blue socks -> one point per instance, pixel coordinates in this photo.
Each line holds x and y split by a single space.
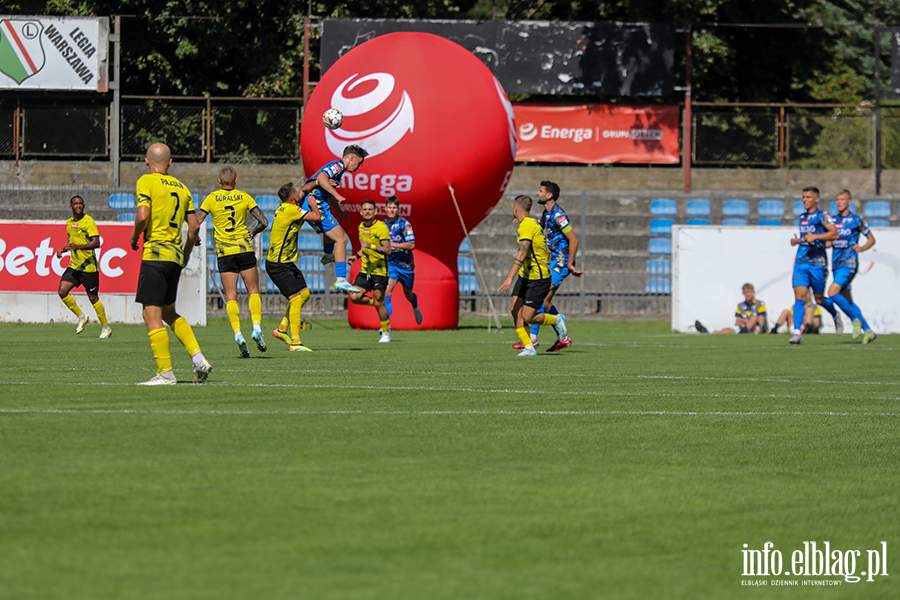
388 307
799 312
828 305
851 310
340 269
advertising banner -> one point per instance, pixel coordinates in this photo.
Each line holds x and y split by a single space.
709 266
597 134
28 261
54 53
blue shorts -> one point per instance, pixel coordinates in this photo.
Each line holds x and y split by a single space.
406 277
328 221
811 276
557 275
843 276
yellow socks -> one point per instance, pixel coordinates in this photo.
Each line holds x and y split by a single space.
69 301
255 310
549 320
185 335
522 332
296 303
101 313
159 343
234 315
386 326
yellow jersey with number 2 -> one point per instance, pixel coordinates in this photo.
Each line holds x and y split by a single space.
169 201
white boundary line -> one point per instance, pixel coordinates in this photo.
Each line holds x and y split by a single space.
610 413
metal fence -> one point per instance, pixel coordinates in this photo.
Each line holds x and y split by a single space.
263 130
828 136
235 130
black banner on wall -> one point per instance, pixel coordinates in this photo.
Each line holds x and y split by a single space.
539 57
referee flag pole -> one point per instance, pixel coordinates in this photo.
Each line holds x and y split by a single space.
475 260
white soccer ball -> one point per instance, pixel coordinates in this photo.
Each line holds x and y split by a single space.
333 118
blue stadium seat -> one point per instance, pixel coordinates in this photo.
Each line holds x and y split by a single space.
833 209
658 287
660 246
663 206
798 208
659 266
464 246
315 282
125 217
197 201
736 208
661 226
468 284
311 264
465 265
771 208
121 200
769 222
698 208
268 202
879 223
309 242
877 209
734 222
265 239
697 222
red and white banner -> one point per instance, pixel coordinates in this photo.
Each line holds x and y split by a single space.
597 133
28 260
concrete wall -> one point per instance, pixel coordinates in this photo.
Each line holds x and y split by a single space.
599 179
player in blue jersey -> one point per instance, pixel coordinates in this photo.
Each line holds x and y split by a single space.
333 237
845 263
811 264
562 245
400 261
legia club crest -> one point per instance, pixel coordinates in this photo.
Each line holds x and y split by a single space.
21 53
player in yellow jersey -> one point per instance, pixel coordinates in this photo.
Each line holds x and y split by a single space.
163 205
281 261
234 251
83 270
533 267
375 239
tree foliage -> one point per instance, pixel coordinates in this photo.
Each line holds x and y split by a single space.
255 48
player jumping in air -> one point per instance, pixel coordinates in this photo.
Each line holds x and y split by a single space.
333 236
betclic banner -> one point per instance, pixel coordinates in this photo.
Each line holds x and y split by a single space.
28 261
54 53
597 134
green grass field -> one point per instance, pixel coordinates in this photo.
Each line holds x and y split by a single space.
635 464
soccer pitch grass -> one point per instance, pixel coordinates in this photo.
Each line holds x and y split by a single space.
635 464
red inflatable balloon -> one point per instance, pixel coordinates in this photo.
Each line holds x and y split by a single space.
431 116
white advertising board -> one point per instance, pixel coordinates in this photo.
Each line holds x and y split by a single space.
710 265
54 53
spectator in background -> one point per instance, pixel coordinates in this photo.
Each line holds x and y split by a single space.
749 317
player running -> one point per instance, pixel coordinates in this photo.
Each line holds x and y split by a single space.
333 237
234 252
811 264
401 265
83 269
375 242
845 263
563 247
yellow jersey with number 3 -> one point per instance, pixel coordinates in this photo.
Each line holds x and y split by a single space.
228 210
169 201
537 262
